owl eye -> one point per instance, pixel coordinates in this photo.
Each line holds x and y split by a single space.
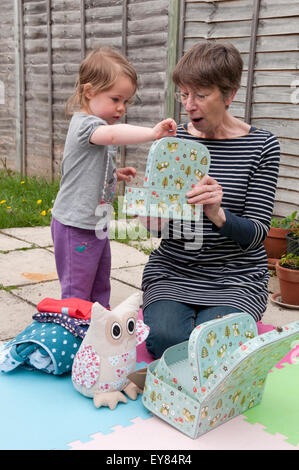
116 330
131 326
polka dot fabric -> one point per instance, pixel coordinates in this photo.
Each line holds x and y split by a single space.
77 326
53 340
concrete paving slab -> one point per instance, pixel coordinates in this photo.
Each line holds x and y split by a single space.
273 285
149 244
24 267
127 255
120 292
34 271
132 229
15 315
132 276
10 243
40 236
123 256
37 292
278 316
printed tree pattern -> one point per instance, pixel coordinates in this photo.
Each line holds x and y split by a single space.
228 364
173 167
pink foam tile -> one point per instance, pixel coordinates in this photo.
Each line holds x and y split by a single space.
154 433
261 328
291 358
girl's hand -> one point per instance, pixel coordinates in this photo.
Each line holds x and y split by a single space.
125 174
166 128
209 193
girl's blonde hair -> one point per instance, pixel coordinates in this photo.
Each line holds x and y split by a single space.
100 68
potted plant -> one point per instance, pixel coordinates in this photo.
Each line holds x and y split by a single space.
276 243
292 238
287 270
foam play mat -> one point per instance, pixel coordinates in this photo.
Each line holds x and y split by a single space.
43 411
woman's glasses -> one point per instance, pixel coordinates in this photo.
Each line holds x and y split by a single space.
183 97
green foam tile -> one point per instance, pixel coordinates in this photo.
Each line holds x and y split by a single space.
279 409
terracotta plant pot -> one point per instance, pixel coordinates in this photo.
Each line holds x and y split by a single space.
272 263
289 284
276 243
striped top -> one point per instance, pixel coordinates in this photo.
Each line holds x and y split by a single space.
200 264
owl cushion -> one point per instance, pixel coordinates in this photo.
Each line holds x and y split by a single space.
107 354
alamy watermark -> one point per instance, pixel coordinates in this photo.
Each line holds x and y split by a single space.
139 228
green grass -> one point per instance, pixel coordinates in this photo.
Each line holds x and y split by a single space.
25 201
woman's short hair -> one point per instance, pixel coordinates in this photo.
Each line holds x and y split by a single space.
210 63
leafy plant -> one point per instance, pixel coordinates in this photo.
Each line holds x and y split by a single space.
25 201
290 261
286 222
294 230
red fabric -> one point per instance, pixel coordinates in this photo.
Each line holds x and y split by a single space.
76 308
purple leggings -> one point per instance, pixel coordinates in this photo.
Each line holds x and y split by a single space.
83 263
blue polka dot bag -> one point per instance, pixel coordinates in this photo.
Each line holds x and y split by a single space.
48 347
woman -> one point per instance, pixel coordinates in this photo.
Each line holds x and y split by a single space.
226 272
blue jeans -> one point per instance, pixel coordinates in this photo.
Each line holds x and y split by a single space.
172 322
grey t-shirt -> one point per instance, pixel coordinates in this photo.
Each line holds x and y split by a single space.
88 175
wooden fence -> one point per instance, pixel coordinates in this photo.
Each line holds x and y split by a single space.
266 33
43 42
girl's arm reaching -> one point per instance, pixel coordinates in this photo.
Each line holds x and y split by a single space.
126 134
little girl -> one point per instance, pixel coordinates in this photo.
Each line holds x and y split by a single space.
106 85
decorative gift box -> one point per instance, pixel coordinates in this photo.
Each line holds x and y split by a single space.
173 167
217 374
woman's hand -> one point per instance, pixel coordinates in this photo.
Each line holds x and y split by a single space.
209 193
166 128
125 174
